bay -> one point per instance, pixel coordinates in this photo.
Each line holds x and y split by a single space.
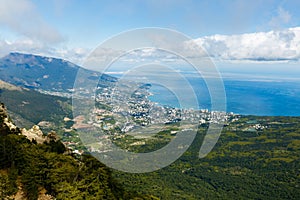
247 97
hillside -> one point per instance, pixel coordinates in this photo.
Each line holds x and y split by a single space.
33 170
255 158
28 107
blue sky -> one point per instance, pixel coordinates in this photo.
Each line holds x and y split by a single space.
71 28
87 22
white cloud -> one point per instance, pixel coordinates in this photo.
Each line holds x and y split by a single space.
272 45
275 46
22 17
282 17
75 55
25 45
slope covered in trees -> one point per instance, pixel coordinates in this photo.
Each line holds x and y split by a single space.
36 168
255 158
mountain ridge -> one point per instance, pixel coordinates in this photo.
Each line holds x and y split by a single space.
43 73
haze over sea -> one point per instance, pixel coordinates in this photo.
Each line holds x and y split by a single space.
258 97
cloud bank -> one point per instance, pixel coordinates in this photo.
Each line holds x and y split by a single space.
276 45
273 46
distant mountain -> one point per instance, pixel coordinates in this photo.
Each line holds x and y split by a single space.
45 73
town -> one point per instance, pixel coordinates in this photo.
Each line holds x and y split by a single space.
123 109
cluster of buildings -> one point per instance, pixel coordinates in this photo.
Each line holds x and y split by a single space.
127 106
124 108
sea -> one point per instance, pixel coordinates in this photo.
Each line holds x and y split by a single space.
245 97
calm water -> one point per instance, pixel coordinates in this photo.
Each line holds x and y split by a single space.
244 97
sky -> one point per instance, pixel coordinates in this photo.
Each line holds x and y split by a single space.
229 30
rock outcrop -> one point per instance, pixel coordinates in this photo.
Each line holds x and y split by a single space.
34 133
6 125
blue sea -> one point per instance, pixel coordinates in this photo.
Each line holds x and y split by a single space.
247 97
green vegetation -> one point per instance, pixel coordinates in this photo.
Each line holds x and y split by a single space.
259 164
28 107
145 143
255 158
34 107
47 167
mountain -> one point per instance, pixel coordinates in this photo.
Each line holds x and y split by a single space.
24 76
44 73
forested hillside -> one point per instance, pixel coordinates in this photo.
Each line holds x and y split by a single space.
255 158
32 170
